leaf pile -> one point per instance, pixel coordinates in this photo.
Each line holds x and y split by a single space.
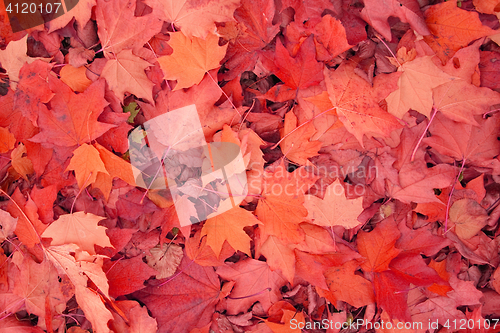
370 134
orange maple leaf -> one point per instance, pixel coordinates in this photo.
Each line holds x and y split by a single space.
281 207
87 164
415 84
279 255
452 28
191 59
115 167
228 226
346 286
296 144
79 273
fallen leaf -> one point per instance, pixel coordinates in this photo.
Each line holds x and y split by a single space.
191 59
317 240
75 78
346 286
334 209
127 275
461 101
8 225
463 141
332 34
29 227
355 104
120 29
281 207
376 14
254 281
165 261
390 294
452 28
297 73
13 59
139 320
468 217
21 163
378 247
279 256
32 90
78 228
296 144
7 140
87 164
68 123
228 226
90 301
192 297
195 18
82 11
38 286
415 84
125 73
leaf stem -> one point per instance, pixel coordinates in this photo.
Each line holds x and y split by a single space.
434 112
484 115
210 75
451 194
392 53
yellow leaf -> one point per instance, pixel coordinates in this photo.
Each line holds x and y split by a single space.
229 226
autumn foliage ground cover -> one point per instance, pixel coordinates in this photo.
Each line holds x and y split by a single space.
370 134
